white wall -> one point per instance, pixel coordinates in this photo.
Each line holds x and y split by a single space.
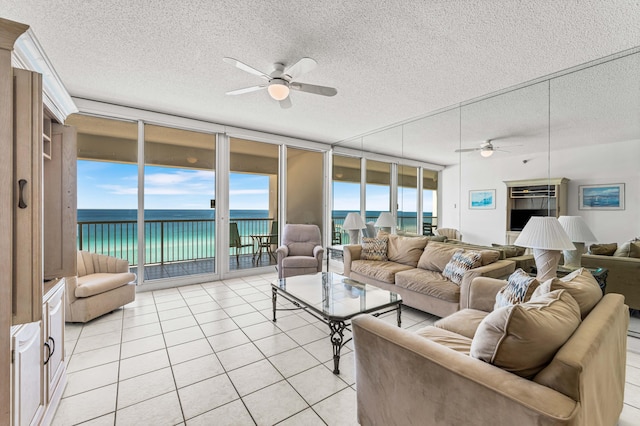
610 163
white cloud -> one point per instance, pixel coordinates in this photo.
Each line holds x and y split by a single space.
248 191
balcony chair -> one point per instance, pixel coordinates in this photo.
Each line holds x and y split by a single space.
450 233
301 251
235 241
103 284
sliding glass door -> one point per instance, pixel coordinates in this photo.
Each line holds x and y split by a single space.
179 209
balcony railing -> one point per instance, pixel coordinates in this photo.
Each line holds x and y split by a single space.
407 223
165 240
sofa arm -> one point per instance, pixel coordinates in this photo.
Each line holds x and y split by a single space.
482 293
349 254
404 378
318 253
497 269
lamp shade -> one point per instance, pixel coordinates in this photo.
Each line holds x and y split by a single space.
577 229
353 221
385 220
544 233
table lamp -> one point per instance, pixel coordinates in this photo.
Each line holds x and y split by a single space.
353 223
385 222
547 238
579 233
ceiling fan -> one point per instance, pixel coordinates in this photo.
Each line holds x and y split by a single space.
486 148
281 80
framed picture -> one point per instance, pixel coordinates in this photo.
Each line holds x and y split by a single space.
602 197
482 199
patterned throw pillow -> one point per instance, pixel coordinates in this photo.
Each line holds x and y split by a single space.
519 289
374 249
461 262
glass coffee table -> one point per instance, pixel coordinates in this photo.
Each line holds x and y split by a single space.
334 300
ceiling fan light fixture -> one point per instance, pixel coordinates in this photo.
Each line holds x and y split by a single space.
486 152
278 89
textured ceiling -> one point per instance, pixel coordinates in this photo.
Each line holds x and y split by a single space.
390 61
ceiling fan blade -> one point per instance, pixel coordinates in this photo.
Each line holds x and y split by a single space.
467 150
247 90
303 66
244 67
312 88
286 103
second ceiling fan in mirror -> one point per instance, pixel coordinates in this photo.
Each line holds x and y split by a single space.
486 148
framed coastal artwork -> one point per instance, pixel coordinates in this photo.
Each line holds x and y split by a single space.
482 199
601 197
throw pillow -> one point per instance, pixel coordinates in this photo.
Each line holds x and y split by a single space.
623 250
374 249
634 250
489 256
438 238
460 263
581 286
603 249
519 288
524 338
436 256
510 250
406 250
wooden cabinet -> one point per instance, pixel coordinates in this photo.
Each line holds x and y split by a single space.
533 197
27 377
39 366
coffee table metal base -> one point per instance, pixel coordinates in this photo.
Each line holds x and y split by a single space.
336 326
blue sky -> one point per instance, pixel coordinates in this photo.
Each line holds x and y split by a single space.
104 185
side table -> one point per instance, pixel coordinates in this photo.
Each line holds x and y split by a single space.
600 274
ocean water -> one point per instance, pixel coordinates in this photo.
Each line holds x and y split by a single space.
176 235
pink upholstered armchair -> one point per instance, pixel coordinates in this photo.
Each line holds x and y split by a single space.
301 251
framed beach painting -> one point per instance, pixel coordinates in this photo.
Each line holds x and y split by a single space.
602 197
482 199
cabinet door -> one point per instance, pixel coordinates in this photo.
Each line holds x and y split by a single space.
27 199
54 317
27 372
60 218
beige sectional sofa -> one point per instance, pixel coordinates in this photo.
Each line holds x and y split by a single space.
414 271
623 276
425 377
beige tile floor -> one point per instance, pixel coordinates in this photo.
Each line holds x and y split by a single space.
209 354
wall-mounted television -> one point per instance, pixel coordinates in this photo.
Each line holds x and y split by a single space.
519 218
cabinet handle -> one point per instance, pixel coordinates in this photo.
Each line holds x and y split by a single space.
53 346
21 185
48 353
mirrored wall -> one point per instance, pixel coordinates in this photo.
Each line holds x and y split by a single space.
581 124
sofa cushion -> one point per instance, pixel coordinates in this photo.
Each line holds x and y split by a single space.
436 255
299 262
634 250
487 257
381 271
374 249
406 250
464 322
524 338
510 250
623 250
431 283
580 284
603 249
520 286
460 263
92 284
451 340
